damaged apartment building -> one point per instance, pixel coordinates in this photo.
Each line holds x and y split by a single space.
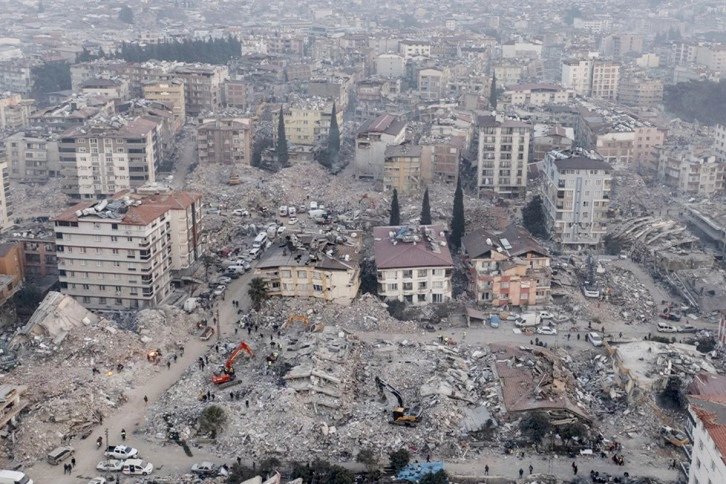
508 268
322 266
123 253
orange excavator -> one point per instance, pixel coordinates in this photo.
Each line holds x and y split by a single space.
227 372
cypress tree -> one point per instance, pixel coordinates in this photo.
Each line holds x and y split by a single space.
426 209
333 140
457 220
493 95
395 218
283 157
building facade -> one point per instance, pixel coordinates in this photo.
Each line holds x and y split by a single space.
32 158
414 264
502 156
307 123
402 168
576 198
14 111
371 142
507 268
169 92
536 95
120 253
225 140
692 173
98 161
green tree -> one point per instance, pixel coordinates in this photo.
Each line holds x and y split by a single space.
321 471
333 151
458 224
212 420
612 245
440 477
126 15
395 218
257 292
283 157
534 219
493 94
535 426
50 77
367 457
426 209
399 459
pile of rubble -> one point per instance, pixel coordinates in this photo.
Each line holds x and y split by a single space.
34 200
79 379
320 397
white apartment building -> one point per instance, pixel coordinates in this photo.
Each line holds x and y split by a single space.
101 160
690 172
536 95
6 208
414 264
706 428
390 66
14 111
413 48
503 153
719 144
122 253
576 198
592 77
32 158
577 75
432 83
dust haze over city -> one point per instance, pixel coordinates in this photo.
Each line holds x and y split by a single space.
373 242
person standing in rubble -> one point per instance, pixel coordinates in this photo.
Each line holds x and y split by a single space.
123 434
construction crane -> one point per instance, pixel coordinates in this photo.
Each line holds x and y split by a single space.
227 372
402 415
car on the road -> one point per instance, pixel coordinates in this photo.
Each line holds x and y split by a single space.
670 315
231 274
546 315
224 280
97 480
687 328
547 331
136 467
255 252
240 213
525 323
594 338
219 290
205 469
513 316
280 229
110 465
666 328
292 221
214 211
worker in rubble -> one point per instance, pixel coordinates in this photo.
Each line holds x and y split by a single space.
123 434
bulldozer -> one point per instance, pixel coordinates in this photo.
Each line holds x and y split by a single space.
402 415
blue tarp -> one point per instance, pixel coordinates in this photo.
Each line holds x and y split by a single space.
414 472
494 321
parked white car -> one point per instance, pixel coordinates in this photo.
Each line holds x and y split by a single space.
546 315
219 290
594 338
111 465
136 467
97 480
666 328
547 331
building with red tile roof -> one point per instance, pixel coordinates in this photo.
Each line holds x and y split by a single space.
707 429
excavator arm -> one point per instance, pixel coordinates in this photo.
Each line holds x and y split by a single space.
227 373
383 385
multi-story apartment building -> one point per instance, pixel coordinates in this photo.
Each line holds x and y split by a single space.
502 155
536 95
14 111
106 88
577 75
402 168
411 49
16 76
334 88
203 87
120 253
328 270
706 427
371 142
39 254
432 83
307 122
592 77
507 268
32 157
719 142
225 140
605 79
390 66
414 264
238 94
440 158
169 92
98 161
618 45
576 198
640 92
692 172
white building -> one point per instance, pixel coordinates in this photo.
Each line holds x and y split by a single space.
414 264
592 77
390 66
414 48
576 197
706 428
503 154
6 208
32 158
539 94
122 253
577 75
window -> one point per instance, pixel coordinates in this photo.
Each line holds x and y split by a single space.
317 288
421 285
86 287
302 274
422 298
437 298
286 274
393 287
407 274
408 286
422 273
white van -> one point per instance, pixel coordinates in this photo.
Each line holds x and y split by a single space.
256 252
291 211
283 211
14 477
237 269
260 240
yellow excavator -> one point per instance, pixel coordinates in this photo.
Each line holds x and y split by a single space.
402 415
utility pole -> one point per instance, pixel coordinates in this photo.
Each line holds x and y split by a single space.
216 312
107 444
